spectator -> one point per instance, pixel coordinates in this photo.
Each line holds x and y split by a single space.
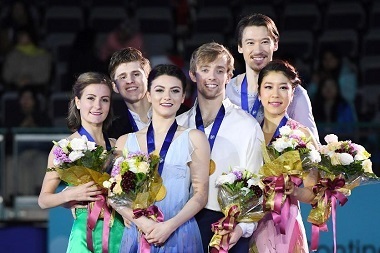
332 64
27 64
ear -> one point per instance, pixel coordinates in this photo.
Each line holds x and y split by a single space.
77 103
240 50
192 76
148 97
114 87
275 45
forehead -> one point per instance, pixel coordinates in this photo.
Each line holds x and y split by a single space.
276 77
256 32
166 81
220 62
97 89
128 67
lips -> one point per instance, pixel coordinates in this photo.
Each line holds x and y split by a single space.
211 85
275 104
96 113
132 88
166 104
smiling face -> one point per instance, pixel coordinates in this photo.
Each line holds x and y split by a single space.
130 81
166 95
211 78
257 47
94 104
276 93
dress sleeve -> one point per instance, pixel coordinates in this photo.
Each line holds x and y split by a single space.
300 110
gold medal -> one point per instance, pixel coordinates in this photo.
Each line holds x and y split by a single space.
212 167
161 193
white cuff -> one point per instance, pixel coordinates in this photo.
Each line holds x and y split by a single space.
247 228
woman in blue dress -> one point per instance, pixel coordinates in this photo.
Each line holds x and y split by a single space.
185 169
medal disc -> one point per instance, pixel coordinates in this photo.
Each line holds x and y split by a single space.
212 167
161 193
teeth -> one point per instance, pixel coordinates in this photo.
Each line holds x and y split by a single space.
131 88
211 85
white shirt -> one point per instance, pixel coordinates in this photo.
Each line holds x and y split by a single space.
238 143
140 124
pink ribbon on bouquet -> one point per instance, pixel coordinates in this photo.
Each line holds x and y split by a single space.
93 216
276 185
152 211
331 194
221 243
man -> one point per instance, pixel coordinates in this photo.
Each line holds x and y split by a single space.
258 39
129 70
235 138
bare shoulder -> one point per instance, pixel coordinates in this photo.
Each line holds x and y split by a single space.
120 142
197 136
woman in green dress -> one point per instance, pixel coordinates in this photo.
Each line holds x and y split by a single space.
89 114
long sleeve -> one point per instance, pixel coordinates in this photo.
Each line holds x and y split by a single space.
300 110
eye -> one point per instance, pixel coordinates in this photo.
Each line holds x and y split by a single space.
91 98
159 90
176 91
204 70
265 42
136 74
221 71
106 100
268 87
284 87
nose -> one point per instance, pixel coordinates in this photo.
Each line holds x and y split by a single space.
98 103
256 48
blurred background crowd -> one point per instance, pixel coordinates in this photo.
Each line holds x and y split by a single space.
45 44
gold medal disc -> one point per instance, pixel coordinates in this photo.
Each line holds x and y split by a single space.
212 167
161 193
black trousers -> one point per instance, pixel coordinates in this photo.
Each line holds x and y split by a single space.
204 219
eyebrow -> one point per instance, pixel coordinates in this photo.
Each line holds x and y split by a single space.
161 86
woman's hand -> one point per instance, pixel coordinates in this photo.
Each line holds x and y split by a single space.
84 192
160 233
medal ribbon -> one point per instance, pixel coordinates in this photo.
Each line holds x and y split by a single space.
165 146
283 122
215 128
132 121
83 131
244 99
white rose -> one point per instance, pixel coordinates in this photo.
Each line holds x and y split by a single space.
143 167
367 166
285 130
132 165
75 155
91 145
331 138
63 143
226 179
251 182
79 144
281 144
107 184
345 158
358 147
360 156
314 156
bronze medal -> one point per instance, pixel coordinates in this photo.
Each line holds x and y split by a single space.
161 193
212 167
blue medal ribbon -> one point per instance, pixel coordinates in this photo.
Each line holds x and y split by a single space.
132 121
83 131
244 99
165 146
283 122
215 128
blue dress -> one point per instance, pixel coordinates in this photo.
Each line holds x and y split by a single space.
177 180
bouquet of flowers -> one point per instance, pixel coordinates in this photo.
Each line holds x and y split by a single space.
134 181
240 198
288 158
79 161
344 166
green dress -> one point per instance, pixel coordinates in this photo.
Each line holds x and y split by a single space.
78 242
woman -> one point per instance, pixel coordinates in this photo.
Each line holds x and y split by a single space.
277 82
89 114
185 169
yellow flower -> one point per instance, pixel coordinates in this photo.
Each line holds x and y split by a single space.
367 166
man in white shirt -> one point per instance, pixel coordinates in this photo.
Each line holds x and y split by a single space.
258 39
235 138
129 71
